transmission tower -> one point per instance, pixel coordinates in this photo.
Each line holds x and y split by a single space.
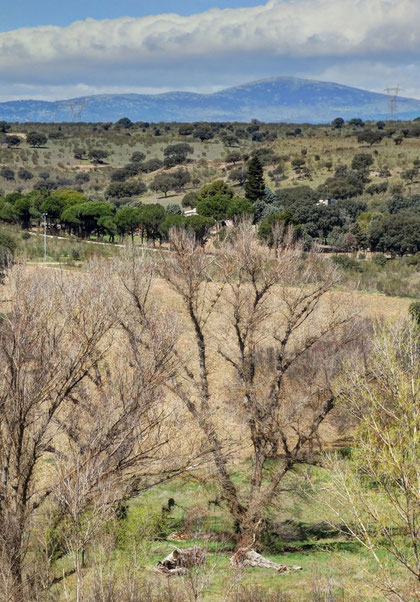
56 111
393 94
76 108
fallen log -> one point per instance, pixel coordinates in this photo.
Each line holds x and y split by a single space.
245 557
179 561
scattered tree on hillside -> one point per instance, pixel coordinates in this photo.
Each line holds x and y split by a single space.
25 174
151 165
79 153
362 161
13 141
238 175
181 177
371 137
203 132
410 174
97 155
234 157
126 189
177 154
7 173
254 185
163 182
36 139
137 157
124 122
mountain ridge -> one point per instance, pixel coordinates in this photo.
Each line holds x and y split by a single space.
275 99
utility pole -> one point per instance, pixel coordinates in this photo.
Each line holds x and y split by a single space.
44 218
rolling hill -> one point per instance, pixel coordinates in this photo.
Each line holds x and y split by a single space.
280 99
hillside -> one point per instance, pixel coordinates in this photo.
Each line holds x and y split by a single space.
281 99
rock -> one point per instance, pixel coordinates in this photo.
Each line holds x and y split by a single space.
245 557
179 561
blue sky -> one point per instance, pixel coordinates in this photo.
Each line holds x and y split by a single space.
54 49
29 13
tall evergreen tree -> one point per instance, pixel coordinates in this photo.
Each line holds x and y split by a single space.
254 185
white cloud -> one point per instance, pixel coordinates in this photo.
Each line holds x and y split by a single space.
219 47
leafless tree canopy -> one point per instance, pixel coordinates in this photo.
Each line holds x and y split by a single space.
82 386
141 368
279 332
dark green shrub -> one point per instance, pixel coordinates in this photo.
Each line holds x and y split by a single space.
380 260
347 263
414 311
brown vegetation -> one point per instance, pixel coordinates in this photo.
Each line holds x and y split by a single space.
149 366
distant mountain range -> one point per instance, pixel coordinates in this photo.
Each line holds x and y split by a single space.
280 99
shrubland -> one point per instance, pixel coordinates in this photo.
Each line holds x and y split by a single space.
373 183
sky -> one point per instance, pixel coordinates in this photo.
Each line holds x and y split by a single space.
30 13
52 50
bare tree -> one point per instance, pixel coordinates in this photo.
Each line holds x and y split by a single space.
121 429
82 384
51 334
280 332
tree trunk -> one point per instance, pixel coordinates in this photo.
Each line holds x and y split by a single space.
14 553
78 571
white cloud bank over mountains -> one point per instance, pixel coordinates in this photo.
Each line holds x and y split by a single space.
370 43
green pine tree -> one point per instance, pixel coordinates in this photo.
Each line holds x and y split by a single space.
254 185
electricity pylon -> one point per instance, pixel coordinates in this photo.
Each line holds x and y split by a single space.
393 94
76 108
